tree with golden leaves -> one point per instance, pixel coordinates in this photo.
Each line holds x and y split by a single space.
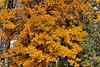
46 28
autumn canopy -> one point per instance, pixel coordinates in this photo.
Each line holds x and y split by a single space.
45 29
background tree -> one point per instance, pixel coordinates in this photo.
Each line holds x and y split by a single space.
91 56
91 47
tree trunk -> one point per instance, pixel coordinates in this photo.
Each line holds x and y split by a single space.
6 58
6 62
58 63
1 44
0 50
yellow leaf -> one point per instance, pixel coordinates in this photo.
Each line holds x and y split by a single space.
2 33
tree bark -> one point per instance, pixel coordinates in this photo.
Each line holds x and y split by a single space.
58 63
0 51
6 58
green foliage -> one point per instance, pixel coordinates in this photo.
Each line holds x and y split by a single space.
1 3
91 46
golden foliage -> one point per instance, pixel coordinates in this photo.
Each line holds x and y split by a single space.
2 33
40 39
